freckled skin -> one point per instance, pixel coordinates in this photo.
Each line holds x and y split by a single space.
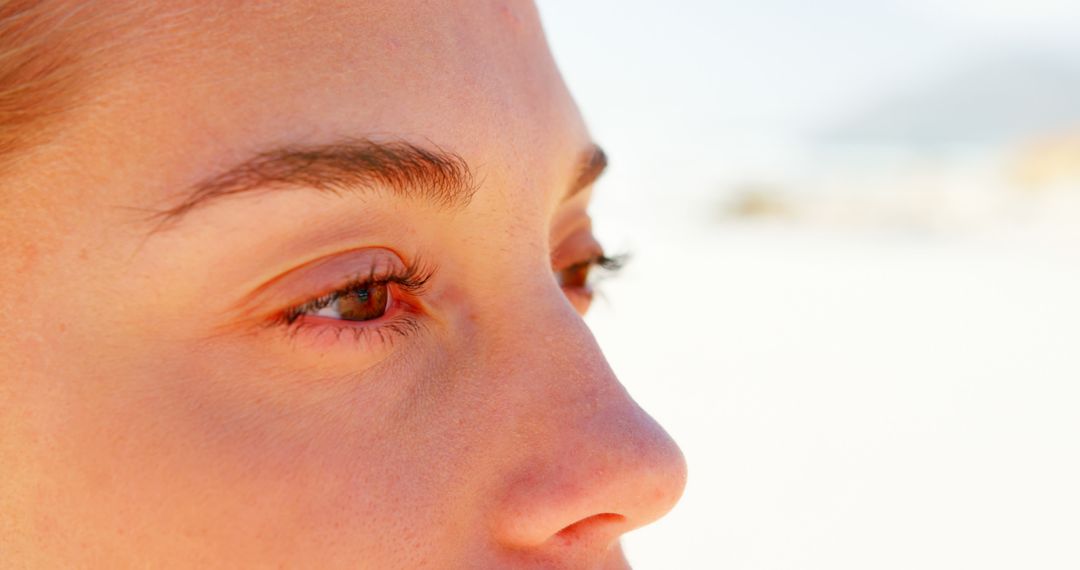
144 423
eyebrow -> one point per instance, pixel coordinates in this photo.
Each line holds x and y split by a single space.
358 165
592 164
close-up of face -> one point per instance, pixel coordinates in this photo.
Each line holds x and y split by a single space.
301 285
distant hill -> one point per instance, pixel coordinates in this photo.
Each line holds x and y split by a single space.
992 101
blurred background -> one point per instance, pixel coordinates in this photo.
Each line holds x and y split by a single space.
855 293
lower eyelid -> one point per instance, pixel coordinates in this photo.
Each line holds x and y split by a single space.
585 290
322 333
580 297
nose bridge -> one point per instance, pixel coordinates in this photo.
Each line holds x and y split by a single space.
590 461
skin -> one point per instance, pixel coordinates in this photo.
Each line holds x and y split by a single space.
149 417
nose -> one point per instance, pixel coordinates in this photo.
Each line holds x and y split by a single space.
592 464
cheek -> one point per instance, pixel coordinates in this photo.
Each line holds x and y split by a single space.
252 461
317 457
265 421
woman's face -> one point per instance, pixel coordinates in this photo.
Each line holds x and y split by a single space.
302 286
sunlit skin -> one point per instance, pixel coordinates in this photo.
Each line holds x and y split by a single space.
174 393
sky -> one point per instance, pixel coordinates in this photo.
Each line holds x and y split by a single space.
700 66
690 97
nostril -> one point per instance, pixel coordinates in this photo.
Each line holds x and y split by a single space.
588 528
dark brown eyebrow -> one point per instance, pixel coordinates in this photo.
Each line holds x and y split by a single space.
403 168
592 164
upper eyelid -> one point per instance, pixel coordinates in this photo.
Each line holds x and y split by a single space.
317 278
576 250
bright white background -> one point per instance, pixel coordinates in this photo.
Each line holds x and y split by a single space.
892 383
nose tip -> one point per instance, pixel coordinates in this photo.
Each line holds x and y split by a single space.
614 471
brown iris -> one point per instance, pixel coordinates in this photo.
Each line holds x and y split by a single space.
364 303
575 276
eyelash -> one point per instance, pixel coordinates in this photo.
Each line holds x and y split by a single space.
611 264
413 282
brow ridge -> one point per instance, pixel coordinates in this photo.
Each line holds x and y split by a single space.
403 168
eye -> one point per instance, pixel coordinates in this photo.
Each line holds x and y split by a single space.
576 279
363 300
575 276
385 296
361 303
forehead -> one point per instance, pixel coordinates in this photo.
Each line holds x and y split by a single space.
205 84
